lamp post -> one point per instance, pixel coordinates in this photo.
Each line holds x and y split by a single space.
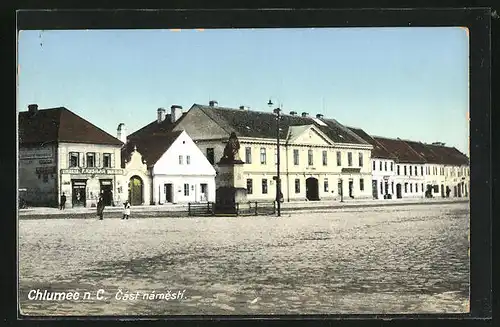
277 112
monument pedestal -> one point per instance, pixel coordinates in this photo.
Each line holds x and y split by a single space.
231 186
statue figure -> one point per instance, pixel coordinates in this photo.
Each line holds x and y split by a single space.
232 148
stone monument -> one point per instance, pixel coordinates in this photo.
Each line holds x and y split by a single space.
231 186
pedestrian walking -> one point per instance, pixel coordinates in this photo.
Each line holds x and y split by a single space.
100 208
126 210
62 204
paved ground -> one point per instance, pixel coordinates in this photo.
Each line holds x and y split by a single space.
405 259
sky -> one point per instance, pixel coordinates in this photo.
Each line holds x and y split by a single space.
406 82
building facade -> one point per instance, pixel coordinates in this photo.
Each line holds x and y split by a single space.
62 153
319 158
166 166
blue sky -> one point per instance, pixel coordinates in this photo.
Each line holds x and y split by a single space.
409 82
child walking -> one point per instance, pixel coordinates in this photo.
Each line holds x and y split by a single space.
126 210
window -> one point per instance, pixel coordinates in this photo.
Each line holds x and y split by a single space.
248 155
411 170
360 158
416 171
325 185
374 165
406 187
264 186
411 188
210 155
339 158
325 158
106 160
392 166
422 170
297 186
385 166
422 186
296 157
436 188
74 159
249 186
392 187
405 170
180 160
310 158
188 160
45 178
380 165
349 159
416 187
186 189
91 159
361 184
263 156
397 168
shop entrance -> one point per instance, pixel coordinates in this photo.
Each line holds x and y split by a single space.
135 191
78 187
107 191
374 189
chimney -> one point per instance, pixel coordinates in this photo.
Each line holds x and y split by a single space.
319 116
305 114
161 115
175 113
121 133
33 108
293 113
213 103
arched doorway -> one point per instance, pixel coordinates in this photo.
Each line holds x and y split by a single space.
312 189
398 191
135 189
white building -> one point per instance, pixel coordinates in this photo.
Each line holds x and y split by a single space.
60 152
320 159
163 166
383 167
409 177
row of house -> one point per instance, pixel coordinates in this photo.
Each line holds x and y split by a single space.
174 159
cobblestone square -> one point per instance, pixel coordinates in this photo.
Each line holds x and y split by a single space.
398 259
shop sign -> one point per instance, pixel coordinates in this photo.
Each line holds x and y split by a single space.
94 171
35 153
46 170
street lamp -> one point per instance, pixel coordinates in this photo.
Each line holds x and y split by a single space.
277 112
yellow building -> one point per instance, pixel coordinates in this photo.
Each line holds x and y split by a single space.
319 158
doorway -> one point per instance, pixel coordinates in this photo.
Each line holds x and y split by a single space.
135 190
168 193
106 191
351 189
459 187
78 198
399 194
312 189
442 190
374 189
204 192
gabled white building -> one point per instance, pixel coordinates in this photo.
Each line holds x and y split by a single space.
177 171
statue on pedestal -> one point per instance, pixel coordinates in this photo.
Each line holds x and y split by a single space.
231 151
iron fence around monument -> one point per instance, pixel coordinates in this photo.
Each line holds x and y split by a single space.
238 209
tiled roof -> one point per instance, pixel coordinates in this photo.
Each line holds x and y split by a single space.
250 123
60 125
400 149
426 152
379 151
449 155
151 147
154 128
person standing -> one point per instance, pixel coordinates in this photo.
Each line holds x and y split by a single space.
100 208
62 202
126 210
